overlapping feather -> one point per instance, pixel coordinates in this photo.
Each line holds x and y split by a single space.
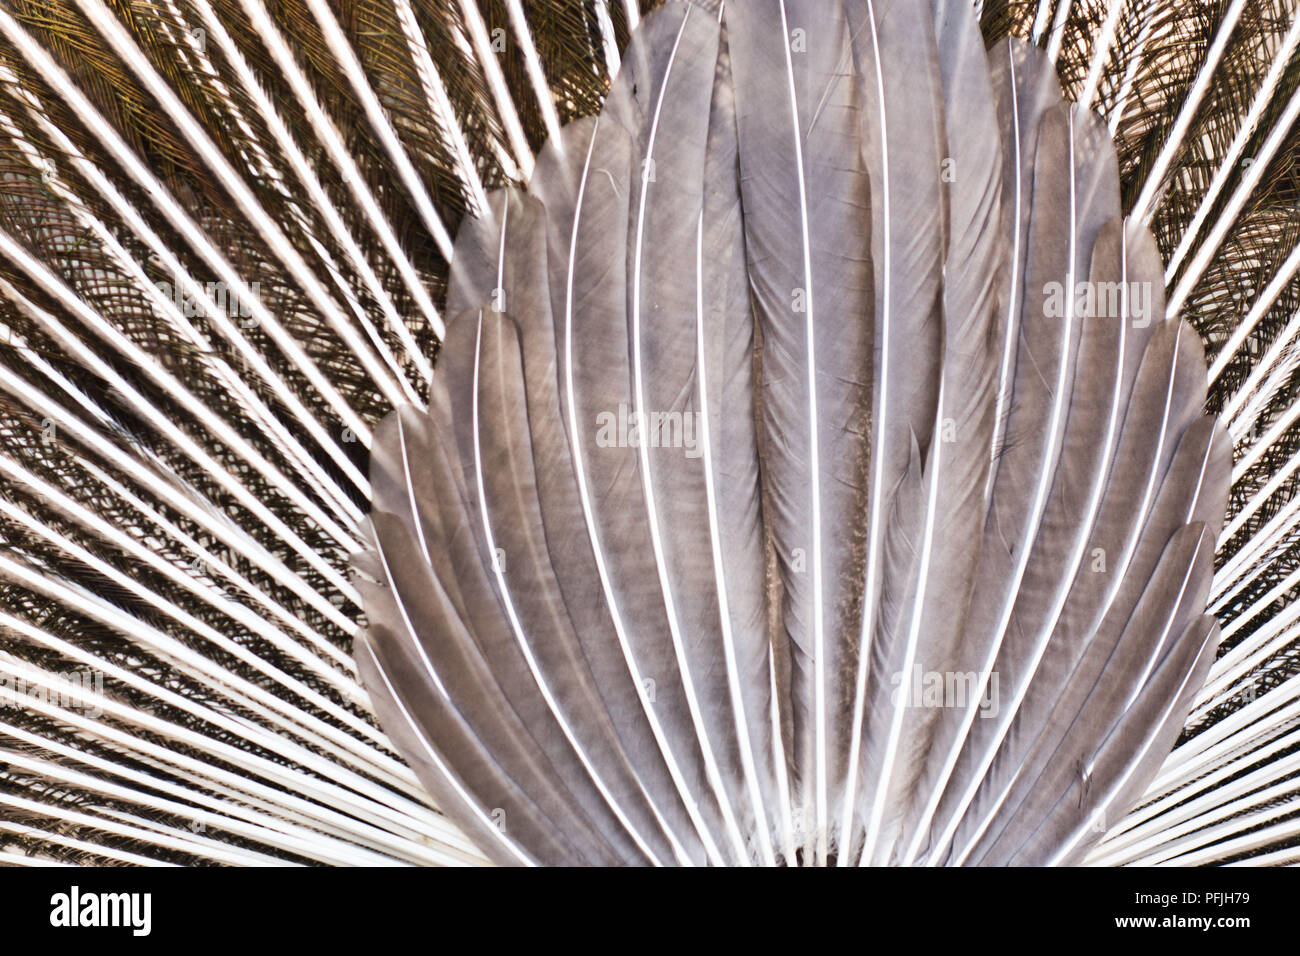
166 362
944 454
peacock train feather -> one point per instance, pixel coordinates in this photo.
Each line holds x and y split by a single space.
616 432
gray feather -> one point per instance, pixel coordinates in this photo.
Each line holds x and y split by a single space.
805 193
764 393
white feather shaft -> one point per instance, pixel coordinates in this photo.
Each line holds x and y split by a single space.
486 59
440 103
346 58
503 590
598 554
748 762
258 218
1144 207
1100 56
712 773
270 115
138 171
533 66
